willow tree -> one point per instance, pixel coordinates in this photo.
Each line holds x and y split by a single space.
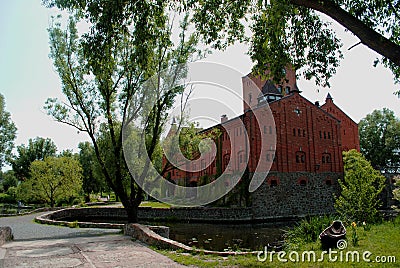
103 71
293 32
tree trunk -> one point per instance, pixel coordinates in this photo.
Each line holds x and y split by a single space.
132 213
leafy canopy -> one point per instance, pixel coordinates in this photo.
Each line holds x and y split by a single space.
380 138
52 179
292 32
103 71
37 149
7 133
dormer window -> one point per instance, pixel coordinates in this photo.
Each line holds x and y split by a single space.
287 90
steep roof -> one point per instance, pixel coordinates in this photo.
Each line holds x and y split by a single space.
269 89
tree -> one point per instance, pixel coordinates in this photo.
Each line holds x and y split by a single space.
8 180
360 188
7 133
37 149
291 32
93 179
102 73
380 138
52 179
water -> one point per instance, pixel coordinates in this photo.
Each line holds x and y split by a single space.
224 237
218 237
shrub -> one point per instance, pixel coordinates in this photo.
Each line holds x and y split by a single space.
360 189
6 198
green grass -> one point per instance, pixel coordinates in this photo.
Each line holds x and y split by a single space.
380 240
154 204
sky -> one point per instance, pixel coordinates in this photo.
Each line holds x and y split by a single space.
28 78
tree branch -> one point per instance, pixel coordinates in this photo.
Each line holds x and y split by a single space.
367 36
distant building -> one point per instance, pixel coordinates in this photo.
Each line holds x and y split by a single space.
306 162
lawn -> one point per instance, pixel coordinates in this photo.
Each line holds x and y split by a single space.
378 243
154 204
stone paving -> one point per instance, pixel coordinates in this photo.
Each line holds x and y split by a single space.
43 246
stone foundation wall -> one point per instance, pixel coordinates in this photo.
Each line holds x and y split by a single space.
196 214
295 195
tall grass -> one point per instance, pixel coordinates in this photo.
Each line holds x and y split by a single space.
306 231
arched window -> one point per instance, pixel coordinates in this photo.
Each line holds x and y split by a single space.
226 160
300 157
326 158
302 181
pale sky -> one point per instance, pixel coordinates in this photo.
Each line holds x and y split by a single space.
27 76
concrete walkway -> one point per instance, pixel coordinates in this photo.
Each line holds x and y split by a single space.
42 246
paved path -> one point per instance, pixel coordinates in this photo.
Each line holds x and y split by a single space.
37 245
24 228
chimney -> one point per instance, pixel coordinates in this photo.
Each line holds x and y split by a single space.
224 118
317 103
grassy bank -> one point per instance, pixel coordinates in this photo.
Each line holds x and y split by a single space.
382 241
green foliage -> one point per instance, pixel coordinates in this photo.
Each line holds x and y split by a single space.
7 133
292 32
6 198
360 188
52 179
103 71
354 236
306 231
93 179
380 138
8 180
396 190
37 149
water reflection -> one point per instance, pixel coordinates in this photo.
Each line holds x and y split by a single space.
222 237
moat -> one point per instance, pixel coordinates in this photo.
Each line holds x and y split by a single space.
215 236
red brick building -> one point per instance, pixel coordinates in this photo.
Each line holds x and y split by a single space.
298 153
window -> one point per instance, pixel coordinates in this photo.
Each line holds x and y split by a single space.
226 160
300 157
294 132
280 89
324 135
250 98
265 129
320 134
287 90
240 158
326 158
299 132
303 182
270 156
270 129
329 135
304 133
273 183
